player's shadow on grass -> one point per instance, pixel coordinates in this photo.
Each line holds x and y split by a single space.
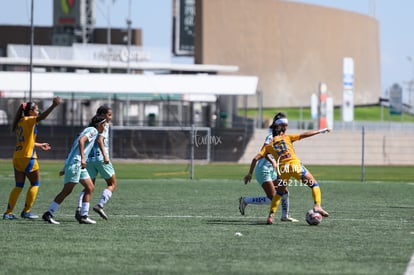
236 222
401 206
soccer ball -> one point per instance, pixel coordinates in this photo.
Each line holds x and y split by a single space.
313 218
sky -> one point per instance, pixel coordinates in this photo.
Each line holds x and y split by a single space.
154 17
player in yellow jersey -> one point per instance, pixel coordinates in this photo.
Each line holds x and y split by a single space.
25 157
267 177
287 164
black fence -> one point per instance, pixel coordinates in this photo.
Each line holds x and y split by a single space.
225 145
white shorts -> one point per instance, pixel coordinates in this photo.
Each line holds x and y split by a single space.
99 167
75 173
264 174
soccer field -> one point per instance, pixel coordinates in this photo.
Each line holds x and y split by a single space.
160 223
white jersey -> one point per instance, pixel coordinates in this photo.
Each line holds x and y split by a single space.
96 154
263 163
74 155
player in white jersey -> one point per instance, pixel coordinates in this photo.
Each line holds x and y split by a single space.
99 163
75 170
266 176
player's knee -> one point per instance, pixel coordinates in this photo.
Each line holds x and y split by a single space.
90 189
111 182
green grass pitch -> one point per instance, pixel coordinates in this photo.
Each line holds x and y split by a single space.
161 222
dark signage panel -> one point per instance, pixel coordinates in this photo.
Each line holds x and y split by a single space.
183 38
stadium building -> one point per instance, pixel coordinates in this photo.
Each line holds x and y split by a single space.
291 47
87 65
247 54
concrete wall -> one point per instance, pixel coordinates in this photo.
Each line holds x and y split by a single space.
291 47
345 148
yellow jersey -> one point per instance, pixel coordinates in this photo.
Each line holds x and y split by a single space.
289 165
281 148
26 133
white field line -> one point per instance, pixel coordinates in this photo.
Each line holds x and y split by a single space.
240 218
247 218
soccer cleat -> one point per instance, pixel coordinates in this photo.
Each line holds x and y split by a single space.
320 210
47 216
269 220
242 205
9 217
78 214
86 220
98 209
28 215
289 219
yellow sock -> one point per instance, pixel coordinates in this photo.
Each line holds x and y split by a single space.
30 197
275 204
316 194
14 195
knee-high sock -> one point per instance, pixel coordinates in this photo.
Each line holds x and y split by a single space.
85 209
31 197
285 205
257 200
80 200
105 197
275 203
316 194
14 195
54 206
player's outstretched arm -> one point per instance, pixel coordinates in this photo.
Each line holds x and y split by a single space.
314 132
56 101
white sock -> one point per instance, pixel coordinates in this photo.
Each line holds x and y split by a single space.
285 205
85 209
257 200
106 195
53 207
80 199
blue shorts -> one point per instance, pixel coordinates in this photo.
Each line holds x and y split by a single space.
264 174
99 167
75 173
